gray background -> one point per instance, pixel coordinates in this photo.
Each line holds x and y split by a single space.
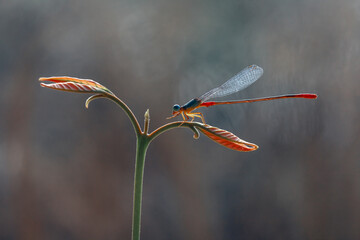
66 172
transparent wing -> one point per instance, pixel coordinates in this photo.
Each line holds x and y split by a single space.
238 82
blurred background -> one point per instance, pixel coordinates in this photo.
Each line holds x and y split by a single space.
66 172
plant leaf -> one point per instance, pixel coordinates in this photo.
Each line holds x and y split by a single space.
72 84
227 139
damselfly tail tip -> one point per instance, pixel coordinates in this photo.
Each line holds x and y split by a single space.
309 95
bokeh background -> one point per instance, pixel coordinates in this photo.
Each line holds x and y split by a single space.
66 172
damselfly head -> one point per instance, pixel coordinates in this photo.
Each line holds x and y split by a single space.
176 108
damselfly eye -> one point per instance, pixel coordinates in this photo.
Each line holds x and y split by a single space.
176 107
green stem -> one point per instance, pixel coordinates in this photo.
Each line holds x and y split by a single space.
178 124
143 141
141 147
121 104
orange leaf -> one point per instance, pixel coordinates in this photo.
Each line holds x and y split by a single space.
72 84
227 139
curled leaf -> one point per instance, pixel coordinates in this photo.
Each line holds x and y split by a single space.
196 132
93 97
72 84
227 139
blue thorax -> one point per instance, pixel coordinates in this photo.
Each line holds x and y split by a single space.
191 104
